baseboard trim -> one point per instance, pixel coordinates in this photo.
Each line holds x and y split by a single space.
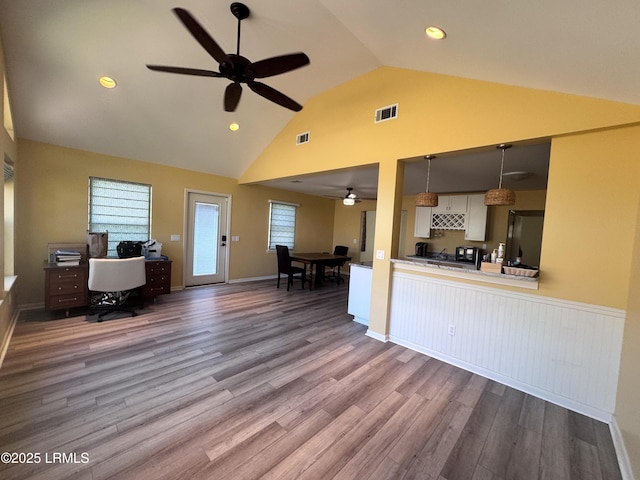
621 450
253 279
7 339
377 336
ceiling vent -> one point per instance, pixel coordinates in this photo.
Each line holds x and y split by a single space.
386 113
302 138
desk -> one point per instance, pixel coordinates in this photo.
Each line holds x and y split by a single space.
65 287
320 260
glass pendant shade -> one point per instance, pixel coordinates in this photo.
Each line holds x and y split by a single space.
500 196
427 199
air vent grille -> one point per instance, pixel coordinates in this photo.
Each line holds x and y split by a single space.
302 138
386 113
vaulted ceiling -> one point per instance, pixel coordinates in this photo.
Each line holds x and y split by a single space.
55 50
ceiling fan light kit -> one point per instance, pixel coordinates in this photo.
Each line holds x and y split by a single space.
500 196
426 198
235 67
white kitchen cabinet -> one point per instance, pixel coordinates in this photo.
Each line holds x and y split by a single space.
476 218
422 227
359 293
451 204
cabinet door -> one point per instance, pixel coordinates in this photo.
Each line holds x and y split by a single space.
476 218
451 204
422 227
457 204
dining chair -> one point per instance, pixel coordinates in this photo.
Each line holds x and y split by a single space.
112 281
335 266
285 267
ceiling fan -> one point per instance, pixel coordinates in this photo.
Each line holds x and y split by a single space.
237 68
350 198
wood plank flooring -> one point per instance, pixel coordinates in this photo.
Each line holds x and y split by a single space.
247 381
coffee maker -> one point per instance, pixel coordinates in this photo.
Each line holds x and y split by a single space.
421 249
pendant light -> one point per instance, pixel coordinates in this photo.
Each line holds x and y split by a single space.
500 196
426 198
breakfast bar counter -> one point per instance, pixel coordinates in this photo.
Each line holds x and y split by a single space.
450 270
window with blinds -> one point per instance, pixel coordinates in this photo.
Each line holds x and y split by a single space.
121 208
282 224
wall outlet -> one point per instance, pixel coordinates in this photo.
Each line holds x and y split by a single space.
355 241
380 254
235 238
175 238
451 330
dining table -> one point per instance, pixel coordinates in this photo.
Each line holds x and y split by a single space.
319 260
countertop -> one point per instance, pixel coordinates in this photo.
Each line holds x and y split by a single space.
468 273
361 264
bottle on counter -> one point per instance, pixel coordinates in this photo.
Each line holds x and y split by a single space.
501 250
494 256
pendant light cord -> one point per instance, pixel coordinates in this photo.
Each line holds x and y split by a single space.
501 169
428 173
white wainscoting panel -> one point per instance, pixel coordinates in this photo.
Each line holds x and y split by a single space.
561 351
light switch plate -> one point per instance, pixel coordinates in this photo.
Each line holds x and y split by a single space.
380 254
175 238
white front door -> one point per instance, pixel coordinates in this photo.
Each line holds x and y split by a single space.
206 256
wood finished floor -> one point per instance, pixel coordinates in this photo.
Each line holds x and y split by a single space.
248 381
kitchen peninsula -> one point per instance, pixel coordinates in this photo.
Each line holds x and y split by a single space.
488 323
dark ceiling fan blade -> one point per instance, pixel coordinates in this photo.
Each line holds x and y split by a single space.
277 65
232 96
185 71
201 35
275 96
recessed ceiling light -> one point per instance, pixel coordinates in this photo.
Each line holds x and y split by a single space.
234 127
435 32
107 82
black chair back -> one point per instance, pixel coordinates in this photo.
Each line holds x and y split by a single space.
340 250
284 260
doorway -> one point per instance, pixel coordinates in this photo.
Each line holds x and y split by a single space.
206 239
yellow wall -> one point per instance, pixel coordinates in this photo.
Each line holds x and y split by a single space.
628 399
436 114
52 208
8 150
590 220
442 114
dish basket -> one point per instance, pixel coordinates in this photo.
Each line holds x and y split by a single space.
522 272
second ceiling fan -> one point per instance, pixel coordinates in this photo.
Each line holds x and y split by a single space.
237 68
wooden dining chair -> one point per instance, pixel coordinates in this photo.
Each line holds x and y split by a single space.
285 267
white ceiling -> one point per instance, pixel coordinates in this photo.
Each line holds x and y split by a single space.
56 49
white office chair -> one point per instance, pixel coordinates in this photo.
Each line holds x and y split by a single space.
111 281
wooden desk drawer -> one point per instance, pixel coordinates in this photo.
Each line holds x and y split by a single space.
57 302
65 287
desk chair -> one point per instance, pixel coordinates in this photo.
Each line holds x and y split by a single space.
285 267
335 267
111 281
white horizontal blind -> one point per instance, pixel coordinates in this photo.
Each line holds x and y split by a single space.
121 208
282 225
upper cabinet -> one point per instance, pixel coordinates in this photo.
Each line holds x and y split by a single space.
422 227
476 218
454 212
451 204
